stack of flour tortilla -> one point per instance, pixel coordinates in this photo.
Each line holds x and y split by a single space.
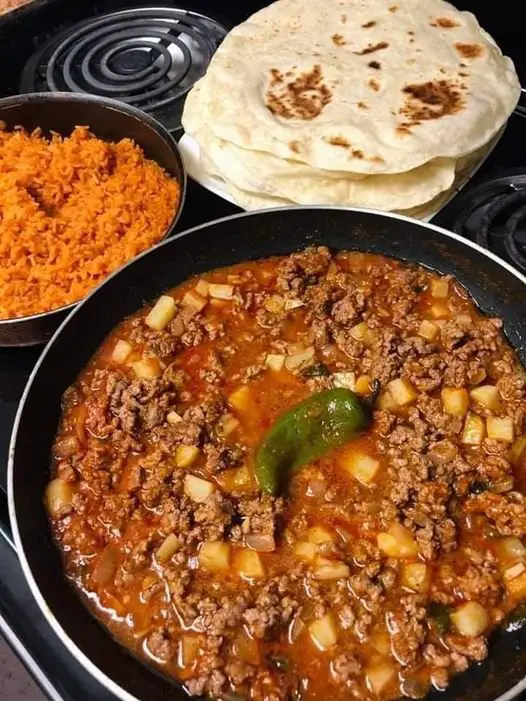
367 103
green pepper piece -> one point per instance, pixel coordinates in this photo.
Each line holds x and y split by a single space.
439 613
516 619
317 425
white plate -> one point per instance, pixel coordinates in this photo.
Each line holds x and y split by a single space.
191 155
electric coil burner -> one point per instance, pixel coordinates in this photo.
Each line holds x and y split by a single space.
494 215
147 57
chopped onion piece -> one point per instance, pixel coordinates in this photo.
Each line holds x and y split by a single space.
296 628
275 304
262 543
474 430
511 548
59 495
514 571
229 423
517 586
220 291
293 304
193 302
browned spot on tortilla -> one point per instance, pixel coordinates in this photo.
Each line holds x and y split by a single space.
444 23
377 159
375 65
338 40
361 105
368 25
276 76
372 48
442 70
302 98
411 61
403 129
411 41
343 19
393 8
431 100
469 50
464 75
295 146
358 154
339 141
374 85
411 33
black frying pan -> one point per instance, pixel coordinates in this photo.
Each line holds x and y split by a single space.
497 288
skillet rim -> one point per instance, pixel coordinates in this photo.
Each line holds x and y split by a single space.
112 686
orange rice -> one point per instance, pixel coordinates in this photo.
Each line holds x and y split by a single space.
72 210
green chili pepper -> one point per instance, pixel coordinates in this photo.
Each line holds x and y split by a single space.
312 428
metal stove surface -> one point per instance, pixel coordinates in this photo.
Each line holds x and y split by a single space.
53 40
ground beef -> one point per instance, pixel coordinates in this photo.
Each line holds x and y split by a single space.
260 514
506 511
344 668
407 626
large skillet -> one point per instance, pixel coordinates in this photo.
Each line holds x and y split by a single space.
495 285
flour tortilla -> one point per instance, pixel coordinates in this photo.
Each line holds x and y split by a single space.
268 175
364 86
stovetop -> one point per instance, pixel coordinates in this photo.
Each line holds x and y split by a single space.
161 51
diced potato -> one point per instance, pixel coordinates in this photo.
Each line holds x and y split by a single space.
478 376
173 418
516 587
193 301
299 360
439 310
275 304
190 646
360 332
363 384
121 351
305 550
517 450
361 466
240 398
510 549
162 313
347 380
214 556
474 430
147 369
293 304
455 401
470 619
198 489
229 424
415 576
324 632
487 395
402 391
428 330
59 495
319 534
397 542
331 570
275 361
247 649
386 402
440 289
202 288
514 571
186 455
500 429
379 676
220 291
248 563
168 548
237 478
